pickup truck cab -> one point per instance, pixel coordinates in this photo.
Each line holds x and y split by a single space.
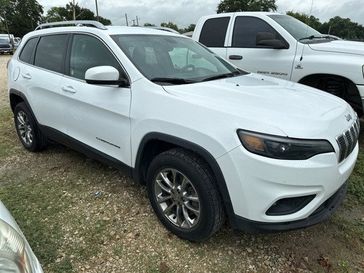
281 46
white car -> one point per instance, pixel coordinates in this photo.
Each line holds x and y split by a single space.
16 256
281 46
207 139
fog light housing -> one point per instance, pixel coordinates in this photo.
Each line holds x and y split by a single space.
288 206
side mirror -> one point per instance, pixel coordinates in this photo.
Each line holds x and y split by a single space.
105 75
269 40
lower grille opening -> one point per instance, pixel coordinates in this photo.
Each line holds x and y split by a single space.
288 206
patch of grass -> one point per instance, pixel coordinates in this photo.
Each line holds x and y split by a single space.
36 207
356 185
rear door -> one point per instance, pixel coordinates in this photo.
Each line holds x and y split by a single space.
40 76
244 52
96 115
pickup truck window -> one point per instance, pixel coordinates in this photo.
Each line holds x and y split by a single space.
298 29
246 29
173 59
213 32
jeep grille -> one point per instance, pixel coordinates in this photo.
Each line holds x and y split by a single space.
348 139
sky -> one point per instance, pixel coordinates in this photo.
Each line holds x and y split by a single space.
186 12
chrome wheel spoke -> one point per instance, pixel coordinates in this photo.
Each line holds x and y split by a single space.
184 183
191 198
166 180
20 119
162 199
186 217
163 187
177 198
168 209
195 211
178 216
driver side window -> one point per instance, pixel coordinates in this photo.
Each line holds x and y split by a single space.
246 29
88 52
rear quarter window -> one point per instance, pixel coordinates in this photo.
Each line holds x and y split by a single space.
26 54
51 52
213 32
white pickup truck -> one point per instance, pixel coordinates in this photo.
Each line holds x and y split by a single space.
281 46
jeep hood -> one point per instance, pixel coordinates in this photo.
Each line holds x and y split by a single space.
295 110
340 46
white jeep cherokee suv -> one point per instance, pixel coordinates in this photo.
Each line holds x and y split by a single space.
207 139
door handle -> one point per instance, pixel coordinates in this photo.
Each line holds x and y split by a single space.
235 57
26 76
69 89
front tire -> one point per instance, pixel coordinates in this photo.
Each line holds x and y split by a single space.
183 194
26 127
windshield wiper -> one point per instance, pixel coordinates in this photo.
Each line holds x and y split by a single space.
222 76
312 37
172 80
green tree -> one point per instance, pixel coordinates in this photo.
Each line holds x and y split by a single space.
191 27
149 25
343 28
312 21
170 25
56 14
246 5
20 16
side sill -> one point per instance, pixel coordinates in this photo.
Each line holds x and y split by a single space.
90 152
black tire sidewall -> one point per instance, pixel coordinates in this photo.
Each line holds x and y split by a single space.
198 178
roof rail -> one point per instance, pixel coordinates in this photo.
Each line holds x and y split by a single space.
85 23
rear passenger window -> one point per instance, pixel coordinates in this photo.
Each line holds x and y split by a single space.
214 31
88 52
246 30
27 52
51 52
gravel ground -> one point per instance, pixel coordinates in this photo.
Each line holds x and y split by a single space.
82 216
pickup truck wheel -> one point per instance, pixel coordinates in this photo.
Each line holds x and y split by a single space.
27 130
339 87
183 195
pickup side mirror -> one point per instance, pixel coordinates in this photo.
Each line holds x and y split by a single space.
268 39
105 75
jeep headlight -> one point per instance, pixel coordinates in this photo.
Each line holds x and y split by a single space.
283 147
13 251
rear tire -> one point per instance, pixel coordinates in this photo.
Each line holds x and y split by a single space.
183 194
26 127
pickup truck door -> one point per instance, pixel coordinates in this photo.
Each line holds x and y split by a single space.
244 52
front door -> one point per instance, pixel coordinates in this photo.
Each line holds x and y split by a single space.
96 115
246 54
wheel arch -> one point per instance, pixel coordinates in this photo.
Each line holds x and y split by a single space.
353 90
153 144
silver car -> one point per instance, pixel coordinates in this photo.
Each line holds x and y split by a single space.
16 256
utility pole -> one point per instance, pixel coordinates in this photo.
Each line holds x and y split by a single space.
97 11
126 19
74 9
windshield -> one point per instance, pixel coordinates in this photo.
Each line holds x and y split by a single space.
173 60
297 29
